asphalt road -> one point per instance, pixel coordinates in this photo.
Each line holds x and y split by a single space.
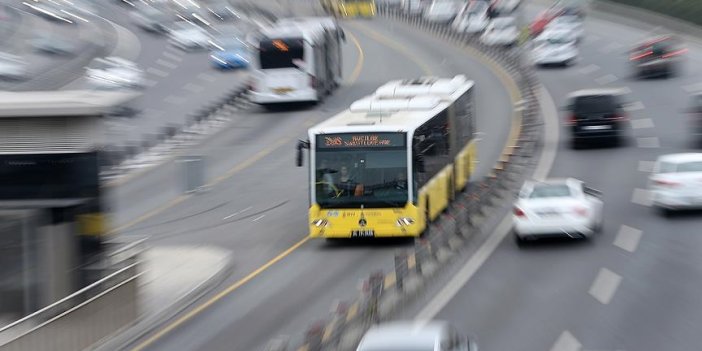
257 203
636 286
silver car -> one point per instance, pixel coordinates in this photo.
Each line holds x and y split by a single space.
415 336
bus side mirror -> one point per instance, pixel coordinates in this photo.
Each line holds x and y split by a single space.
301 144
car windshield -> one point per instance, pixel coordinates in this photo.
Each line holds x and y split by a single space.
550 190
693 166
369 176
595 104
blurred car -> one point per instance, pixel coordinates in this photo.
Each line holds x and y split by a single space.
597 115
188 36
150 18
557 208
676 182
222 11
659 56
114 73
48 43
473 18
13 67
573 24
555 47
230 53
543 19
405 336
506 6
442 11
501 31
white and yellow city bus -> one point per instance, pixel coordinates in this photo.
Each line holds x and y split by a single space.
393 161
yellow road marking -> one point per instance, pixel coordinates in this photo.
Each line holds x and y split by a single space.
197 310
359 62
393 45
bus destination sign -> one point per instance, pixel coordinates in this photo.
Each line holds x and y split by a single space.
353 140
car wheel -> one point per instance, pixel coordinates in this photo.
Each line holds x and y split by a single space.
666 212
575 144
519 240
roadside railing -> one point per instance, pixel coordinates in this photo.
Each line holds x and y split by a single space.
383 293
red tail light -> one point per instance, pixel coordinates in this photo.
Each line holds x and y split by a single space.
665 183
619 117
640 56
580 211
518 212
572 118
675 53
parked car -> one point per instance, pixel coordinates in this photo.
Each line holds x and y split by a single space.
442 11
557 208
230 52
572 24
473 18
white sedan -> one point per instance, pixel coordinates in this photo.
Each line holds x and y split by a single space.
188 36
501 31
573 24
676 182
557 208
555 46
114 73
472 19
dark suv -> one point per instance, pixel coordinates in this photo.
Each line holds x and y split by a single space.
597 115
658 56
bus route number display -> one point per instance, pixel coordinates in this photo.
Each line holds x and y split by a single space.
332 141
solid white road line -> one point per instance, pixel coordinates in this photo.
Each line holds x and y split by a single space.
548 154
589 69
193 88
646 166
641 123
628 238
566 342
641 197
606 79
167 64
634 106
157 72
258 218
648 142
236 213
605 285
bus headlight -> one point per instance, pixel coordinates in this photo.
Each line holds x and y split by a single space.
320 223
405 221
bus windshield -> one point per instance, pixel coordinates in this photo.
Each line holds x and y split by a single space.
370 176
280 53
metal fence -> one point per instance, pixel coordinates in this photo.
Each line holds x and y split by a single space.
383 292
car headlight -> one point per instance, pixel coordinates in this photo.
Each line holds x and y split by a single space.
404 221
320 223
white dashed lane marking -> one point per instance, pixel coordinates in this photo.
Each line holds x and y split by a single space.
167 64
646 166
634 106
175 100
566 342
589 69
173 57
207 77
628 238
193 88
605 285
157 72
641 123
606 79
648 142
258 218
641 197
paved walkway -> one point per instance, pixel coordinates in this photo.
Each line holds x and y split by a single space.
173 278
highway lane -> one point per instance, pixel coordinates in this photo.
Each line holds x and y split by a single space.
261 210
636 286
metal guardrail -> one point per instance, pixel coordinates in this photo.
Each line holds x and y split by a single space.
81 319
383 292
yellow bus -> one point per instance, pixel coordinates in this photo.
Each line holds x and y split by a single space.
393 161
349 8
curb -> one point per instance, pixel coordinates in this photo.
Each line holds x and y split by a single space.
470 214
145 325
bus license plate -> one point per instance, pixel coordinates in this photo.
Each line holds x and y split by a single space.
368 233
